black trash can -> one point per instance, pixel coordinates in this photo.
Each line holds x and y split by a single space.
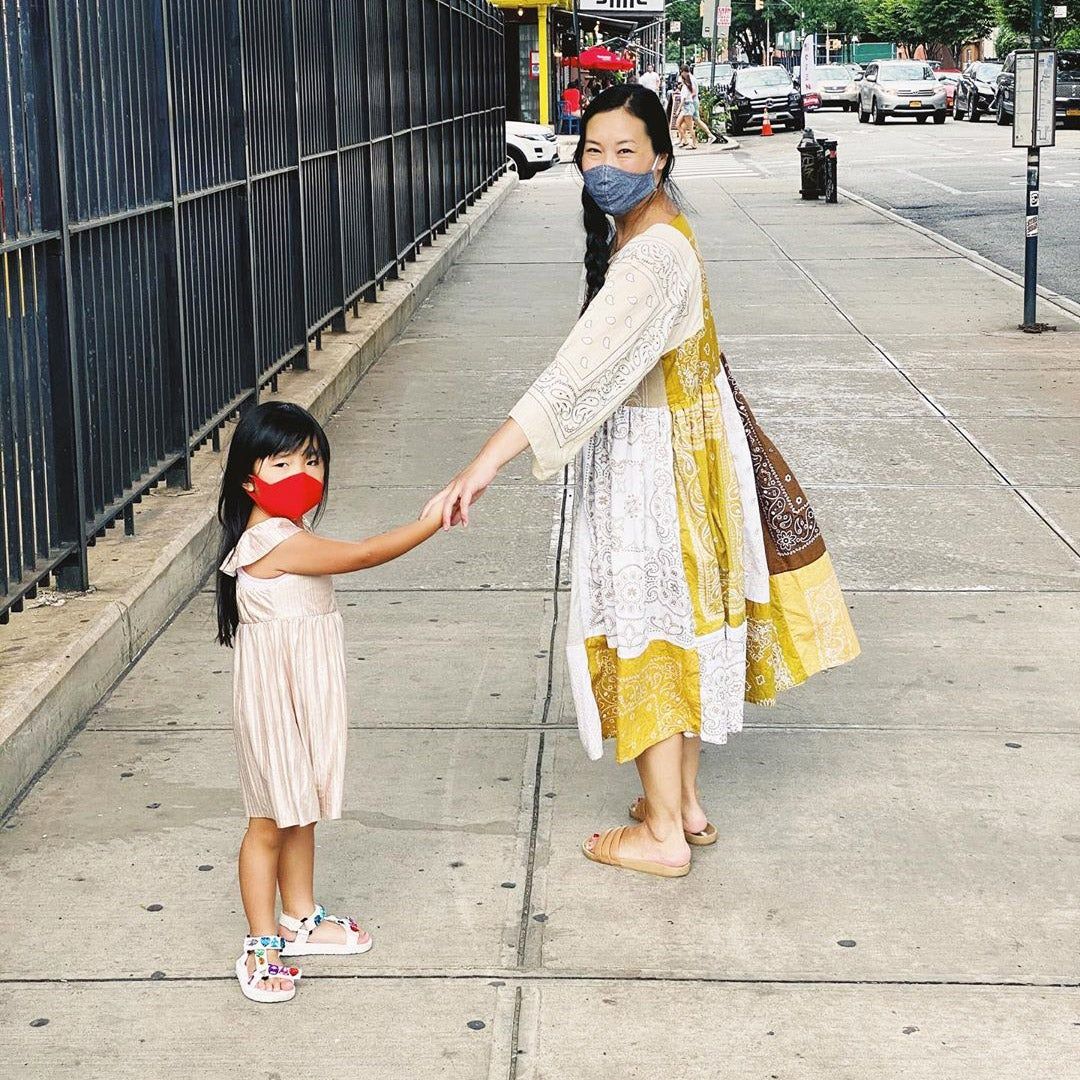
811 161
828 147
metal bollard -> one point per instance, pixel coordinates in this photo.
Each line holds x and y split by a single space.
810 155
828 147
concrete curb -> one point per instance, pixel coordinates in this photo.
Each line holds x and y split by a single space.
49 693
1062 303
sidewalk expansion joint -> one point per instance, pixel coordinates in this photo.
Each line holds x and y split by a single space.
526 897
525 977
891 360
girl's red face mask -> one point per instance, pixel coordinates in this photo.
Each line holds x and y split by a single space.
290 498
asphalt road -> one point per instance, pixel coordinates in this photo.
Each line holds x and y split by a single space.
962 180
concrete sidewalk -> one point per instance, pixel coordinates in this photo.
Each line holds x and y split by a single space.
894 892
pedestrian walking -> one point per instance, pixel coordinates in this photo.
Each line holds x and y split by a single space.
688 108
275 605
650 80
699 576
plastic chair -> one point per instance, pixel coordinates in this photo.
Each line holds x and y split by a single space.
569 124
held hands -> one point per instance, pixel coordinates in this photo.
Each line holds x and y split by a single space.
453 502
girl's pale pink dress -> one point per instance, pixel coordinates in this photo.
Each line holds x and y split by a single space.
289 704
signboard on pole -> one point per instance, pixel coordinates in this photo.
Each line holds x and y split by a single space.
724 18
1033 100
621 7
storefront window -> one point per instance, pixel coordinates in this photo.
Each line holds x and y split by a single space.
529 87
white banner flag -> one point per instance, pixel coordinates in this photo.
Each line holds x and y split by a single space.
807 62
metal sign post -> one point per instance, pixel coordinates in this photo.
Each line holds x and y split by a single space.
1033 128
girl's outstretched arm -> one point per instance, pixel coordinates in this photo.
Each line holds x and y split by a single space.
306 553
453 502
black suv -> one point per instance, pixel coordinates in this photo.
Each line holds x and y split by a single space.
976 90
755 89
1067 102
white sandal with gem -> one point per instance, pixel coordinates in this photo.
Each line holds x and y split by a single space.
263 970
302 928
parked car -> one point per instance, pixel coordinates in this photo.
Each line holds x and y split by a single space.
755 89
1067 102
531 147
976 90
949 77
703 74
834 84
901 88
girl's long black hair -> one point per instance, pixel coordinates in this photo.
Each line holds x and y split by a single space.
645 105
274 427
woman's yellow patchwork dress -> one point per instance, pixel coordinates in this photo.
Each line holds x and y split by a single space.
699 575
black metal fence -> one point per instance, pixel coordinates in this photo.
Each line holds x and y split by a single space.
192 191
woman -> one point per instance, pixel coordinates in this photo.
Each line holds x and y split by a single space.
699 576
688 109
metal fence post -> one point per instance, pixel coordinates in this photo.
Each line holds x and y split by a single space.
300 361
72 572
179 475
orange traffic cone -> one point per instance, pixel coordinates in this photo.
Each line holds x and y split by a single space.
766 125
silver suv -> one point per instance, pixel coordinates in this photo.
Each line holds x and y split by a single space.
901 88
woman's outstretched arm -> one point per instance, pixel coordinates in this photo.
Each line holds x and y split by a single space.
453 502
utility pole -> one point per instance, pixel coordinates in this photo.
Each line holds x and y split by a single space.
715 19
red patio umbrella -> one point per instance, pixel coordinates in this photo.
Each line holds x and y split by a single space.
597 58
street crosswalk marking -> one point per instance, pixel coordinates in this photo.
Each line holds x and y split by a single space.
687 165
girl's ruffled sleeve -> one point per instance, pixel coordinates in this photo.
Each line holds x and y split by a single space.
617 341
257 542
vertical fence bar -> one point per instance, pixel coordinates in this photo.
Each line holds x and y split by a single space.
72 572
180 473
301 362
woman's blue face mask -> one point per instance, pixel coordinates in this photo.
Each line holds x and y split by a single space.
617 191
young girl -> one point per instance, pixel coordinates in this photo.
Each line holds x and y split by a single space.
275 603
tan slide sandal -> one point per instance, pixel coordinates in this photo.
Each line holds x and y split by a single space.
704 838
606 851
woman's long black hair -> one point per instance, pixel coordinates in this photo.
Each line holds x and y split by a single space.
645 105
274 427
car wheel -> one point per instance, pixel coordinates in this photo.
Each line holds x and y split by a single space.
875 113
864 117
957 112
939 116
524 170
1001 118
920 119
734 126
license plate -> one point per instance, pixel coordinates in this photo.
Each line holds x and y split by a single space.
915 104
1073 111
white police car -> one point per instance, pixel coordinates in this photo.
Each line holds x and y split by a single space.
531 147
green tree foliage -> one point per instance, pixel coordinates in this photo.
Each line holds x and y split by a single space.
951 22
748 26
688 12
841 16
893 21
1014 19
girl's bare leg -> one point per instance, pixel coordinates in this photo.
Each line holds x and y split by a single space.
296 878
259 854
